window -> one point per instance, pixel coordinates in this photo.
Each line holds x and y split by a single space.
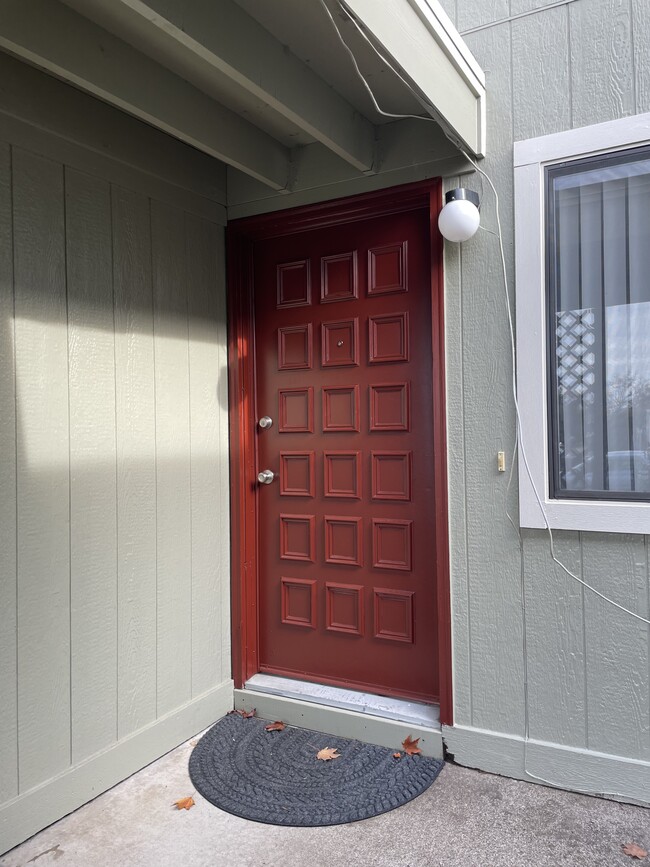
582 207
598 297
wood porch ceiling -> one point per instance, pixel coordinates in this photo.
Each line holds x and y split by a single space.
254 83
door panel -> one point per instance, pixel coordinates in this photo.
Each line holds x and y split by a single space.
346 550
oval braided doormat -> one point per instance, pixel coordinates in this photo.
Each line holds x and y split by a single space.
275 777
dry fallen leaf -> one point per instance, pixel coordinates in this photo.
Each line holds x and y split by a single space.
410 746
277 726
245 714
328 753
634 851
397 755
184 803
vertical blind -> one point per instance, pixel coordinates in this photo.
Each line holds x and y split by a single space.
598 292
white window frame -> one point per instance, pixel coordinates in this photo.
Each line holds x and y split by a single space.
530 159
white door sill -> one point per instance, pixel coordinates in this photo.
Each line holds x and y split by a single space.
349 699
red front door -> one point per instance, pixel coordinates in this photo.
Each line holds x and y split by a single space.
346 541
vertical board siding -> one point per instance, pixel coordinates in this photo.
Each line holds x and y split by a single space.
173 493
462 669
475 14
209 476
640 35
602 79
554 641
42 470
540 74
136 461
519 6
223 512
93 494
114 494
494 577
618 659
114 555
587 663
8 659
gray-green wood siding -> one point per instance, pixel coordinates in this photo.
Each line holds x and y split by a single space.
514 611
114 534
102 640
515 614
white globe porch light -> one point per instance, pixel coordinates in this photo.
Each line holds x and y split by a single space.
459 219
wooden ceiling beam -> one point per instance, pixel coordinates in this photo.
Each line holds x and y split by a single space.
49 35
219 39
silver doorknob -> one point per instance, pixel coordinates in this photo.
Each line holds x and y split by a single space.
265 422
265 477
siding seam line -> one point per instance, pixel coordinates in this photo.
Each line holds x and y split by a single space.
467 569
513 373
117 479
633 57
217 258
155 423
189 439
569 65
512 119
524 648
516 17
64 172
13 291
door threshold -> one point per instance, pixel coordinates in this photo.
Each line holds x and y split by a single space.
399 709
369 718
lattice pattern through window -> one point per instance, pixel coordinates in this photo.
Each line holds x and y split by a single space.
575 338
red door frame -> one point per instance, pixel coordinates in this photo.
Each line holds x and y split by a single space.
241 235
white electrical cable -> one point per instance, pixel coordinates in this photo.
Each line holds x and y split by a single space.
500 21
520 442
518 439
356 65
519 445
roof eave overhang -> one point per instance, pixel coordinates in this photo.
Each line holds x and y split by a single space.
421 42
167 63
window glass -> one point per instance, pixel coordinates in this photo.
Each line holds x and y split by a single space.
598 289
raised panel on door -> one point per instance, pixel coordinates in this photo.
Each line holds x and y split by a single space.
347 591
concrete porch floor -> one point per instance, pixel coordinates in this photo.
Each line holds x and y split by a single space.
466 818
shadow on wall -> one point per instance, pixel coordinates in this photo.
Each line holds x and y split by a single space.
118 457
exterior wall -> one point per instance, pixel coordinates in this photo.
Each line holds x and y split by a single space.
114 536
408 151
583 722
114 639
515 615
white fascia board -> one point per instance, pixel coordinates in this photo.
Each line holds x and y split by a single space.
422 42
48 35
444 32
225 41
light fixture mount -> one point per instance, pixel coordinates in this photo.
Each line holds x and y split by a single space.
459 219
462 193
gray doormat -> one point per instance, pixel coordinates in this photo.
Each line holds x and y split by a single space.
275 777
